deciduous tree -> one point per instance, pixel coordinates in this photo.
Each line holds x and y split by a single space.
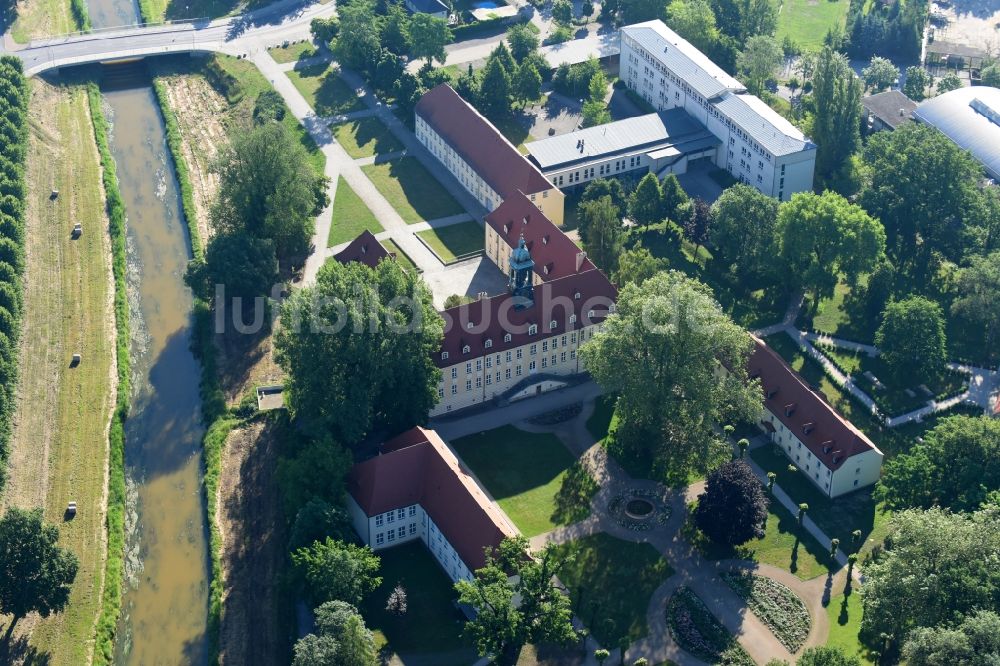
698 223
430 34
947 83
562 11
523 41
759 60
827 656
527 83
974 642
341 638
637 265
911 339
358 42
35 573
244 265
601 232
880 74
646 203
495 89
837 121
990 75
743 230
511 612
733 508
673 197
917 83
336 570
978 302
694 21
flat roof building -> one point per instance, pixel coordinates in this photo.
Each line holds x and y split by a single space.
971 118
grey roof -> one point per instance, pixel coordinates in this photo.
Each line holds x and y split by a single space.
653 131
683 59
764 124
886 106
428 6
971 118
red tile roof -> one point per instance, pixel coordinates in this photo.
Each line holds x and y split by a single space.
418 468
555 255
491 319
479 143
830 437
364 249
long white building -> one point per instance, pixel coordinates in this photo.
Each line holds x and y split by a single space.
758 146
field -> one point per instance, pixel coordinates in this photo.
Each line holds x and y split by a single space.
807 21
40 18
154 11
412 190
350 216
60 442
431 623
525 473
365 137
610 583
325 91
454 240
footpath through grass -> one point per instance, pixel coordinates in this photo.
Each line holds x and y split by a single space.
350 216
526 473
60 443
454 240
411 189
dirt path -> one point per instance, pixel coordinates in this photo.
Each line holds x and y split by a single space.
253 549
60 443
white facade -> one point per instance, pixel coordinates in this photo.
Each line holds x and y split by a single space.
409 523
759 147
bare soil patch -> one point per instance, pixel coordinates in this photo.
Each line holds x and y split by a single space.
246 361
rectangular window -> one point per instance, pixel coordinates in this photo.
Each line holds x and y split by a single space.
440 392
507 373
479 382
489 361
553 361
379 520
413 529
545 346
507 357
454 389
379 539
390 517
572 354
545 362
534 348
468 368
479 365
401 514
520 353
413 510
402 532
531 366
454 373
562 357
517 371
489 379
564 341
468 384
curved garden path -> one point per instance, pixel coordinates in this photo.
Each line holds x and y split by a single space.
691 568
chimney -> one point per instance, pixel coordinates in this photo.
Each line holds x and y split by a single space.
580 258
481 295
902 113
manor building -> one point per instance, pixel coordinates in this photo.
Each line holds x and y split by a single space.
825 447
416 489
756 145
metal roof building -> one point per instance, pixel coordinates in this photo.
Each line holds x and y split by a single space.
764 124
971 118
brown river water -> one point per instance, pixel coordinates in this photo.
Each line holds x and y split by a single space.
165 601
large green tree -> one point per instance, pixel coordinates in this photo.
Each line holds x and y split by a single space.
35 573
358 43
936 569
357 348
917 83
637 265
340 638
880 74
495 89
601 232
523 40
645 206
244 265
821 236
977 304
660 352
673 198
514 611
430 35
759 60
336 570
925 213
733 508
911 339
694 21
268 190
743 230
975 642
836 125
827 656
527 83
955 466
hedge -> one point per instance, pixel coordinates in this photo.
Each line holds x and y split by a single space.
111 597
13 147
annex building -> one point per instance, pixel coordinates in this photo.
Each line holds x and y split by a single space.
825 447
756 145
417 489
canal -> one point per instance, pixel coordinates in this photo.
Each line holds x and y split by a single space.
165 598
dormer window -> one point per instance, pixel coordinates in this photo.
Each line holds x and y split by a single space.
590 314
532 329
808 428
836 459
552 325
506 337
789 409
611 308
546 269
772 392
576 296
488 343
545 240
444 356
469 326
572 319
826 449
466 349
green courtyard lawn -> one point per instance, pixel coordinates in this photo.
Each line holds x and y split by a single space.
412 190
844 615
365 137
532 476
293 52
837 518
432 623
350 216
610 583
807 21
324 90
401 257
454 240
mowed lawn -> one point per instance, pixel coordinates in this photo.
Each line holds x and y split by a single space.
844 615
431 623
365 137
524 472
411 189
454 240
324 90
401 257
610 583
350 216
293 52
59 445
807 21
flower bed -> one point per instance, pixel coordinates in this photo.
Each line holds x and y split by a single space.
776 606
696 630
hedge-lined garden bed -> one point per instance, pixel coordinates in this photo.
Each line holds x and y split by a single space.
13 150
776 606
696 630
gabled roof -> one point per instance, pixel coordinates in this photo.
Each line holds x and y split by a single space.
830 437
492 319
428 6
764 124
364 249
417 467
479 143
892 107
554 253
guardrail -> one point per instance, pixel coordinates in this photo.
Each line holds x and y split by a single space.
192 22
